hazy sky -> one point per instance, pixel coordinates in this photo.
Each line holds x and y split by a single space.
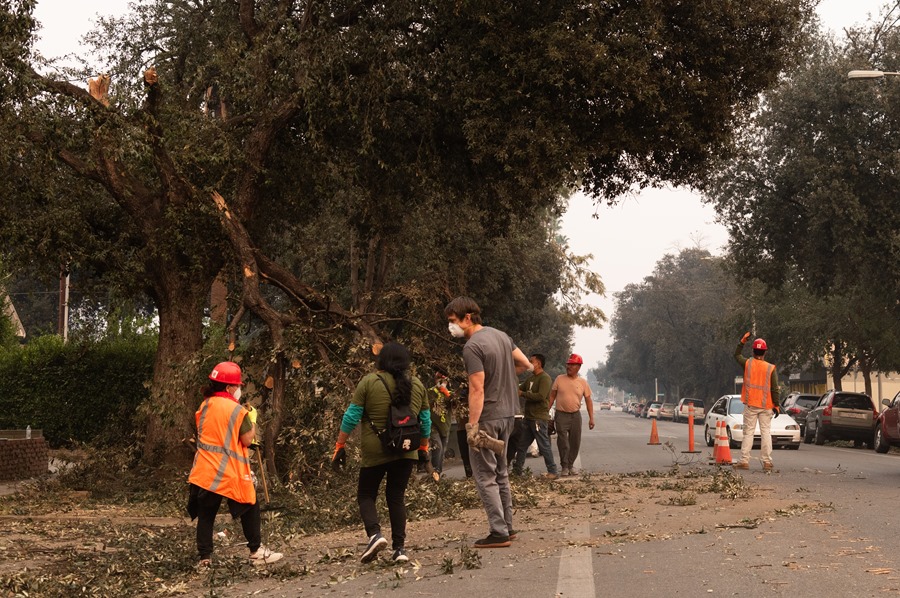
626 240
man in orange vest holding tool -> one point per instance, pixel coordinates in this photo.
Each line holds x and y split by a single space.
225 430
760 396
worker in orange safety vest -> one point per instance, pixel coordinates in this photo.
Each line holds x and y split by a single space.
225 430
760 395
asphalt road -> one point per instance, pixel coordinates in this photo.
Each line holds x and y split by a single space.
615 445
847 545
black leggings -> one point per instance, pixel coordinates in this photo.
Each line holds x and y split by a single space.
398 473
208 507
463 444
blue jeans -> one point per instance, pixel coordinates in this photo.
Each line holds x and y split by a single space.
535 429
438 449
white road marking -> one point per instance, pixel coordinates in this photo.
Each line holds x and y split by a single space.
576 566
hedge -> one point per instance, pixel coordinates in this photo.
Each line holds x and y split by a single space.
76 393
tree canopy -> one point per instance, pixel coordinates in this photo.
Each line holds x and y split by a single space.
810 200
347 167
673 330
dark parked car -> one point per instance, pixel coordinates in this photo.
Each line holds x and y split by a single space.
887 425
842 416
797 405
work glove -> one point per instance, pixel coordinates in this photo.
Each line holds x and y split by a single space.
423 450
339 458
252 413
472 434
479 439
776 410
745 337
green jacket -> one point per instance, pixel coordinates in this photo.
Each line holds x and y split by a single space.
374 399
536 396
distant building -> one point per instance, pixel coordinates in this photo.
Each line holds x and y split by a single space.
9 310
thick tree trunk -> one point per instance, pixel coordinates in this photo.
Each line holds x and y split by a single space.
837 366
175 397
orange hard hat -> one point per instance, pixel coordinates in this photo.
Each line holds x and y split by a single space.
228 372
575 358
760 345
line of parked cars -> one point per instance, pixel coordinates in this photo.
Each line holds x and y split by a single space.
804 417
675 413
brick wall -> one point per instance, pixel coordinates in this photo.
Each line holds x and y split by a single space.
21 459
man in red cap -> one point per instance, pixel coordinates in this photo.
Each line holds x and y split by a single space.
567 393
760 396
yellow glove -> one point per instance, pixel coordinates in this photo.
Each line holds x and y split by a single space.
251 414
745 337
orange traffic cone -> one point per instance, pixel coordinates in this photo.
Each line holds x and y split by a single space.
723 450
654 435
717 446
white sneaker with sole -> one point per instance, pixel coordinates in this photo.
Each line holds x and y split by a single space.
264 556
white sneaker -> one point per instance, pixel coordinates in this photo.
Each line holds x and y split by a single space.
264 556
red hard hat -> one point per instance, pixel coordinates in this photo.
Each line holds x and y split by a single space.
760 345
575 358
228 372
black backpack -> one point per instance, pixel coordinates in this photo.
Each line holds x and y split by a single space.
402 433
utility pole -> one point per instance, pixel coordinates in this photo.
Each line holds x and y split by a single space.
63 319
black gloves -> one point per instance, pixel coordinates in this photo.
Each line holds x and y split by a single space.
339 458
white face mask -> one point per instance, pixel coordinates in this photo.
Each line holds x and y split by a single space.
456 330
237 394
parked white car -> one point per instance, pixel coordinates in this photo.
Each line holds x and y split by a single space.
785 430
653 411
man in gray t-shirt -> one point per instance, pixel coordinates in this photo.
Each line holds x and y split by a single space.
492 363
490 351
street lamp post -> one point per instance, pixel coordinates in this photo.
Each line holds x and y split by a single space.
871 74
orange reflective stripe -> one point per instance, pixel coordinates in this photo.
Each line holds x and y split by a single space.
757 389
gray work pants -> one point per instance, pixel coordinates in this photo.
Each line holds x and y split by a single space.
492 477
568 437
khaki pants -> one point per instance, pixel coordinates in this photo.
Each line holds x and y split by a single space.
764 417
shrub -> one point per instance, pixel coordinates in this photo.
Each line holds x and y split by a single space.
75 392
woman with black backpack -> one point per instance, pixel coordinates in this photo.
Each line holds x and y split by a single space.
387 402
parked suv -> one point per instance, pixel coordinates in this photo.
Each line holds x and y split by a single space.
887 425
841 416
681 411
797 405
